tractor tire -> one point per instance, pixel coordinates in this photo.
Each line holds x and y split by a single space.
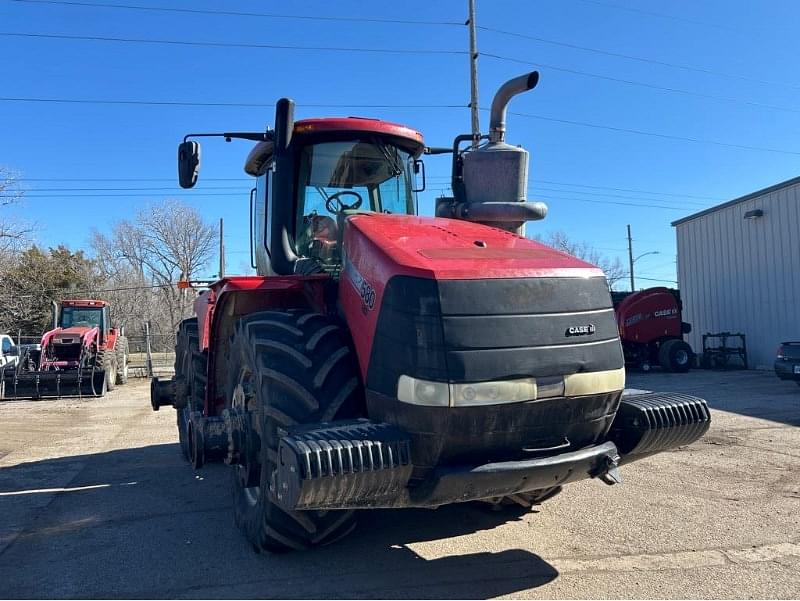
104 387
105 362
286 368
111 375
187 343
675 355
121 351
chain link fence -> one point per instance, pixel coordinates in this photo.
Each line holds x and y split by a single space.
152 355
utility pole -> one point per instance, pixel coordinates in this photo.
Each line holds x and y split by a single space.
221 250
630 257
473 73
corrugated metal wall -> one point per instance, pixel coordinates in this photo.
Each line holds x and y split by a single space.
743 275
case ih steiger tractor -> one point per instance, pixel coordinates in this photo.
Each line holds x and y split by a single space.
386 360
81 356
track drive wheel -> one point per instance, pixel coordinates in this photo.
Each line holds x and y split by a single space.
286 368
187 346
675 355
121 355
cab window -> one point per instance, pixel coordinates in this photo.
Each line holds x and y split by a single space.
336 177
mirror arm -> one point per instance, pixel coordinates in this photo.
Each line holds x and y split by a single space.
238 135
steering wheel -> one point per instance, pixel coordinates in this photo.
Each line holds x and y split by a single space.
338 206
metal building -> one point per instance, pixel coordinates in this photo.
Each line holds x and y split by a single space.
739 270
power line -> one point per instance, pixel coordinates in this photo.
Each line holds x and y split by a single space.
95 291
190 194
612 202
642 84
226 104
660 15
449 106
631 190
640 59
35 193
657 135
242 193
535 185
249 14
603 194
416 51
90 38
639 277
535 181
172 188
434 179
230 13
124 179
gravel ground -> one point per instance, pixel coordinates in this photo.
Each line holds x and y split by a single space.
95 501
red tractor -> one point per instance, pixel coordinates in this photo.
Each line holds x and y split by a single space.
386 360
82 356
651 329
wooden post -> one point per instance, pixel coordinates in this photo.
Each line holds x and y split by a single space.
147 349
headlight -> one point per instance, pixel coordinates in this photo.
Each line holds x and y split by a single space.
441 394
491 393
423 392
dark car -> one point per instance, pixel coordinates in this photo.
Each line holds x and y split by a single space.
787 363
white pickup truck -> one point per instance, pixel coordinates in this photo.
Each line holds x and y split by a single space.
9 355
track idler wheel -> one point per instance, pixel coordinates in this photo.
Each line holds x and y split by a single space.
244 446
207 439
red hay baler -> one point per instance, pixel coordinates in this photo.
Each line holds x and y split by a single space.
651 329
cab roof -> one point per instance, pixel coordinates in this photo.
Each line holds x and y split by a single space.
410 139
83 303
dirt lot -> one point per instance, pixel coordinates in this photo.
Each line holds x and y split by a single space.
95 501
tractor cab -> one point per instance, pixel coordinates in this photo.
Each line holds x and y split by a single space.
341 166
310 176
78 316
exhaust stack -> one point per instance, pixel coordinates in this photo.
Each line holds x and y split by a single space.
490 183
497 119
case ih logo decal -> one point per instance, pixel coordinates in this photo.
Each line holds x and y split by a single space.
580 330
362 286
665 312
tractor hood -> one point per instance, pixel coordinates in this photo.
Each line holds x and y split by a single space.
70 335
438 248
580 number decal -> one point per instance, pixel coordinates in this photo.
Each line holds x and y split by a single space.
362 286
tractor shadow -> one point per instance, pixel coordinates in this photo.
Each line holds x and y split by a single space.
140 523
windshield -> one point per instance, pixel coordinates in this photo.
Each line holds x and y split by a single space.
366 175
81 317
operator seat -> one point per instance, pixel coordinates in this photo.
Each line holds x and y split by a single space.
318 238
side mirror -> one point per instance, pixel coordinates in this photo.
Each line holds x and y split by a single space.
188 163
418 167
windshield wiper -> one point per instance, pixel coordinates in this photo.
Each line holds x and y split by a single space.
393 161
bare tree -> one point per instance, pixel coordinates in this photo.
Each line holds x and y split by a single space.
613 268
146 258
14 234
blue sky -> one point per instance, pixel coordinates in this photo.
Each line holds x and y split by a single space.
740 89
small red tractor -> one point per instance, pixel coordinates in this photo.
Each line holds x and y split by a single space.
384 360
651 329
81 356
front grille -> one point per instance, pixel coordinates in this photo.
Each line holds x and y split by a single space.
490 329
